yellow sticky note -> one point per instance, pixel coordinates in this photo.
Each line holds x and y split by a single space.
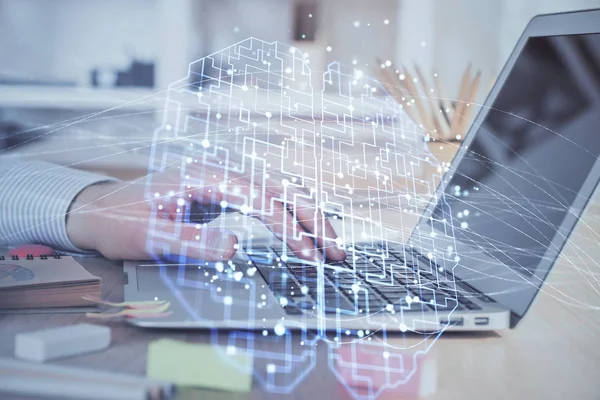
200 365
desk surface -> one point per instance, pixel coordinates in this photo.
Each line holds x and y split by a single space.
552 354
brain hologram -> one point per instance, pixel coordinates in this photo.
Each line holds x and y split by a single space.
349 151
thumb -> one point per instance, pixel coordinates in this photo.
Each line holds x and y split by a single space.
203 243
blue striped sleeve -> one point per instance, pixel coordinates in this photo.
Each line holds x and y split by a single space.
34 201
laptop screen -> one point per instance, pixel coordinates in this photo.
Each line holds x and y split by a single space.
523 173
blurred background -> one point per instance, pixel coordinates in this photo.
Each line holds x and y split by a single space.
63 59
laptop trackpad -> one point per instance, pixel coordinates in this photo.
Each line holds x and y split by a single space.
205 293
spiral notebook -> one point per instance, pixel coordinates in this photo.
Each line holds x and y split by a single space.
45 282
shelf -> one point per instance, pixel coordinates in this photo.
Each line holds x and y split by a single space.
77 98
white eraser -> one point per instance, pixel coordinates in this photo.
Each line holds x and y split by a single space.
66 341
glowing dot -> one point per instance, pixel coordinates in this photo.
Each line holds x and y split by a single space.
284 257
285 182
283 301
355 288
356 24
245 88
386 21
328 48
388 63
180 202
219 266
304 289
340 175
429 255
464 225
386 355
265 333
223 204
403 327
360 334
389 307
338 240
237 275
279 329
263 296
227 300
466 213
271 368
408 299
268 114
160 207
402 77
205 143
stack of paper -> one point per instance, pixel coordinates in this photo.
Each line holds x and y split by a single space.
45 282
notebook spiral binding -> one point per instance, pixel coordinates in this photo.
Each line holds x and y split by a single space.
31 257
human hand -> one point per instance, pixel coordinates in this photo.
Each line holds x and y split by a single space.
115 218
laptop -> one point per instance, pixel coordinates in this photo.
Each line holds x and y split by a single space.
513 194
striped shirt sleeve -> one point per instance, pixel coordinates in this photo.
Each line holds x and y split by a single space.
34 201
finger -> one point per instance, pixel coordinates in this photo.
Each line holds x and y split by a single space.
286 228
199 242
319 226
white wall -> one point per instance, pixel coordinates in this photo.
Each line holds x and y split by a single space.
65 39
371 39
517 13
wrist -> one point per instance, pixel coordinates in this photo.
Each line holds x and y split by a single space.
85 215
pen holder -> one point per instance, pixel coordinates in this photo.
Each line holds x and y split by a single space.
424 99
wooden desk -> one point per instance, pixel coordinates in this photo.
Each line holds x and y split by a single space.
552 354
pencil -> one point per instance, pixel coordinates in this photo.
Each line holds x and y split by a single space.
72 389
443 99
65 375
420 107
435 109
464 119
460 103
396 93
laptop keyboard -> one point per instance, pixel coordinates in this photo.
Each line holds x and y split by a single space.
366 282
